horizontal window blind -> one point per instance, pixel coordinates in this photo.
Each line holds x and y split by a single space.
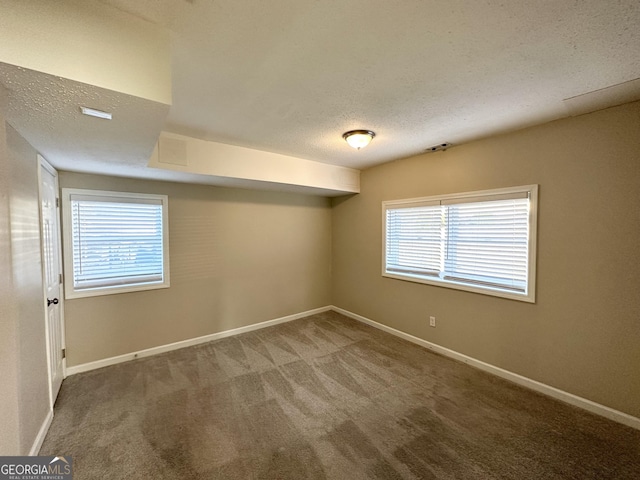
481 240
414 240
116 241
487 243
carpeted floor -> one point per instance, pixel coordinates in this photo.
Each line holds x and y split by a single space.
324 397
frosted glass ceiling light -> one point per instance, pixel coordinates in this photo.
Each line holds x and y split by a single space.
358 138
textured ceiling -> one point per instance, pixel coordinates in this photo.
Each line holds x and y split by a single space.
291 76
45 110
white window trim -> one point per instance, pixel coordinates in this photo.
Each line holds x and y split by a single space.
532 190
70 291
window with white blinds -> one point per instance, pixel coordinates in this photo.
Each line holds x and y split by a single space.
114 242
480 241
415 239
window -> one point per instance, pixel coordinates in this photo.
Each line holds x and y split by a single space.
114 242
482 242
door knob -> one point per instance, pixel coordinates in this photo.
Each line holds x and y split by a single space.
54 301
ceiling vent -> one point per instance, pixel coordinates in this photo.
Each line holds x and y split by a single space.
441 147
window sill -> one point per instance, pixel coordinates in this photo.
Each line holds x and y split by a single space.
494 292
100 291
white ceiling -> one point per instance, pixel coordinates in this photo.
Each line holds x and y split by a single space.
291 76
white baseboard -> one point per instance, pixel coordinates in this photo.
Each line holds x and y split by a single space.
44 428
85 367
556 393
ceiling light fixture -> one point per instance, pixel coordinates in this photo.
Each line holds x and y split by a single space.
358 138
92 112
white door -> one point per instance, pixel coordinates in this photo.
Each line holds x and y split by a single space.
52 273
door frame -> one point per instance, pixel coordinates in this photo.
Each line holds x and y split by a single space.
42 163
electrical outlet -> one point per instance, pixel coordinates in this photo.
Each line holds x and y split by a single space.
432 321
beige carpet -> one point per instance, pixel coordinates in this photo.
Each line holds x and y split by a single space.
324 397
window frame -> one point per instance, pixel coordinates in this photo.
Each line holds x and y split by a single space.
529 296
70 291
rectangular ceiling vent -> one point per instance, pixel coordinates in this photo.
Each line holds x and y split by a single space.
441 147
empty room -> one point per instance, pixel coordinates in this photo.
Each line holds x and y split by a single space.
319 240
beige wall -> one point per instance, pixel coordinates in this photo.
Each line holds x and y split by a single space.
25 391
28 291
238 257
89 42
9 434
582 333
